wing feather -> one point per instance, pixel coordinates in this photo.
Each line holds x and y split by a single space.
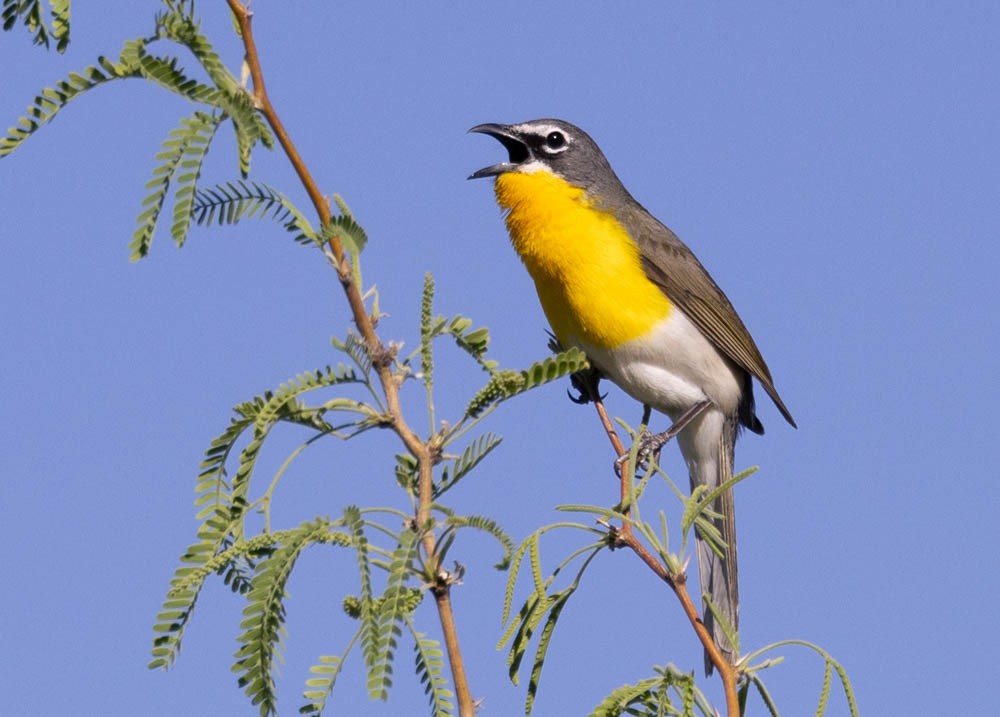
670 265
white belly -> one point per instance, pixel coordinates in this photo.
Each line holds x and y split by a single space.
671 368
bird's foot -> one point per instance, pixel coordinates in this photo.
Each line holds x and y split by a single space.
650 444
586 384
649 447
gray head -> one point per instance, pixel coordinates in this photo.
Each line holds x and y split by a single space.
558 147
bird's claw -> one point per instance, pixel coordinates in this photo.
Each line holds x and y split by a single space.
650 446
585 383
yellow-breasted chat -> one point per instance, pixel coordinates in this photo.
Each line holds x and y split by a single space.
618 284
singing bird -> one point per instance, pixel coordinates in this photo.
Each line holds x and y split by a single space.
618 284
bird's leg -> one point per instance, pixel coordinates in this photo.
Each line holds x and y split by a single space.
650 443
653 443
647 412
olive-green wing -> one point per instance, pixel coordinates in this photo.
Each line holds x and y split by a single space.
677 272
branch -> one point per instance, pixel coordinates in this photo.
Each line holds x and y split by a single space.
625 537
382 356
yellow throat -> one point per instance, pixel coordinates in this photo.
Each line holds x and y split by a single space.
585 266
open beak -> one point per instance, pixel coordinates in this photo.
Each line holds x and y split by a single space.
516 149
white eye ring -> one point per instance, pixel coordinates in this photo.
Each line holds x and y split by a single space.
555 141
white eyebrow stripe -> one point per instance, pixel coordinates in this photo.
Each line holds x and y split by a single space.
541 130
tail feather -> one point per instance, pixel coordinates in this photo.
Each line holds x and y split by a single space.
718 577
709 454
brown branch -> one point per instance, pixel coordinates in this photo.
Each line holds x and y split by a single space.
382 357
616 444
625 537
442 598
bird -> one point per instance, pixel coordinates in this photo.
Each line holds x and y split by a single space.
616 283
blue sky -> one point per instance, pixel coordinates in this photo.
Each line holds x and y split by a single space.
836 168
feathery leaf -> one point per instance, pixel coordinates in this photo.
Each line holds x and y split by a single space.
395 603
473 454
264 616
354 347
619 701
214 500
183 152
507 384
406 472
30 14
180 26
487 525
829 662
348 232
229 203
51 100
426 338
429 659
318 689
653 697
60 23
164 71
558 603
765 696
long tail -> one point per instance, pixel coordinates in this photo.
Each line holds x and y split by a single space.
709 454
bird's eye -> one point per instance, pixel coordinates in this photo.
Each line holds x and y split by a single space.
555 140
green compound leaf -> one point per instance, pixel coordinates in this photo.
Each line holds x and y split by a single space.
264 616
215 553
319 688
30 14
282 404
354 347
427 335
164 71
406 472
388 612
267 411
474 342
625 697
179 25
473 454
540 605
222 506
484 524
830 666
348 232
215 508
361 607
229 203
183 153
60 23
52 100
670 692
326 671
429 660
556 607
507 383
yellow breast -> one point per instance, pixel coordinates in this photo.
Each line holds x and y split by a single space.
586 269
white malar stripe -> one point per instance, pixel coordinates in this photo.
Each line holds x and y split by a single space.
532 167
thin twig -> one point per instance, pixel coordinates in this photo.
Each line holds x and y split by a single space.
381 356
625 537
616 444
